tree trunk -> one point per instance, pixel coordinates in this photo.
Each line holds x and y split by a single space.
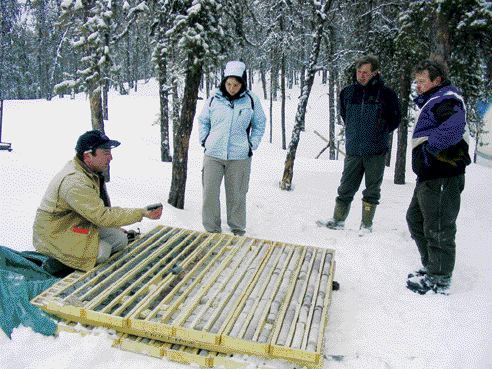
96 109
286 183
176 104
290 79
282 107
271 109
440 39
401 153
388 154
128 64
136 59
97 119
182 135
164 110
331 102
208 85
263 83
477 141
1 117
105 100
273 80
302 76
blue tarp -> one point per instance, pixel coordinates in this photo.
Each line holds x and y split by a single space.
482 107
21 279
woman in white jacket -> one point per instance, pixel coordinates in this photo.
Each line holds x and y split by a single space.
232 124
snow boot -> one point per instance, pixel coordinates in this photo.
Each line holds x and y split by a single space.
418 273
368 211
339 215
427 282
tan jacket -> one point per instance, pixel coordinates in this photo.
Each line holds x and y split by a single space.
71 211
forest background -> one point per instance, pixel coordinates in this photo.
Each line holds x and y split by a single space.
63 47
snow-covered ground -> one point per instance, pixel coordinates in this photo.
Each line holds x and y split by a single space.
375 322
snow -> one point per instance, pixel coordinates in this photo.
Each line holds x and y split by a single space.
374 321
78 5
66 3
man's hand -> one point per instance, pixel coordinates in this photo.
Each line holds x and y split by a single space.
153 211
153 214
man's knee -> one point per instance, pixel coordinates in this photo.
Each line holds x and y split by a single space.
111 240
120 241
104 252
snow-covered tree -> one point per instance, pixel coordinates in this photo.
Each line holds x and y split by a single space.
444 30
90 23
161 24
320 21
47 35
92 28
198 33
13 49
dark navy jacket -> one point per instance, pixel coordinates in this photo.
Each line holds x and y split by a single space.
439 147
370 112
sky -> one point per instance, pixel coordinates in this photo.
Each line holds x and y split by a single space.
374 321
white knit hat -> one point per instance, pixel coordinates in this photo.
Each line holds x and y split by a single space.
234 68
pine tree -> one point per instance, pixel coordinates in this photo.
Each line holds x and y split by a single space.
90 20
9 17
198 32
321 18
410 48
44 14
443 30
162 13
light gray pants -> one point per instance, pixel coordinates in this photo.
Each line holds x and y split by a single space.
111 240
236 180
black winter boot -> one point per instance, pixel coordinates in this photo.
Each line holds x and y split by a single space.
418 273
427 282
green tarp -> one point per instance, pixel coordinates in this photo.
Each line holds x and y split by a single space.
21 279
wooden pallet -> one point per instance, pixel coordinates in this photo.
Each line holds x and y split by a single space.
158 349
215 292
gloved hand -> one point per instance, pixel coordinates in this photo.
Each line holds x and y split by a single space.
132 234
427 155
452 155
444 157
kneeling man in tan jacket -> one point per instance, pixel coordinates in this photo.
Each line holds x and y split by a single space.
75 222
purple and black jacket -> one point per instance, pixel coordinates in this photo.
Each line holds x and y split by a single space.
439 142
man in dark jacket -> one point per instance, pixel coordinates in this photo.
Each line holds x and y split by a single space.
439 158
370 111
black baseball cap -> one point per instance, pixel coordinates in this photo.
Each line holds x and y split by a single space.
94 139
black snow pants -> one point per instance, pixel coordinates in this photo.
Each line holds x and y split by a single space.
431 219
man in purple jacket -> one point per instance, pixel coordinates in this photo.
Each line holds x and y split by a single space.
439 158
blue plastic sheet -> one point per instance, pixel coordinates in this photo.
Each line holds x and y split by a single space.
21 279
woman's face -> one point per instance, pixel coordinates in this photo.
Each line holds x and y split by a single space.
232 85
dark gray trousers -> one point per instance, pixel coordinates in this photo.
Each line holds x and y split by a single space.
236 180
354 168
431 219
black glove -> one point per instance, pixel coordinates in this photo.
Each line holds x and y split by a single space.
132 234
